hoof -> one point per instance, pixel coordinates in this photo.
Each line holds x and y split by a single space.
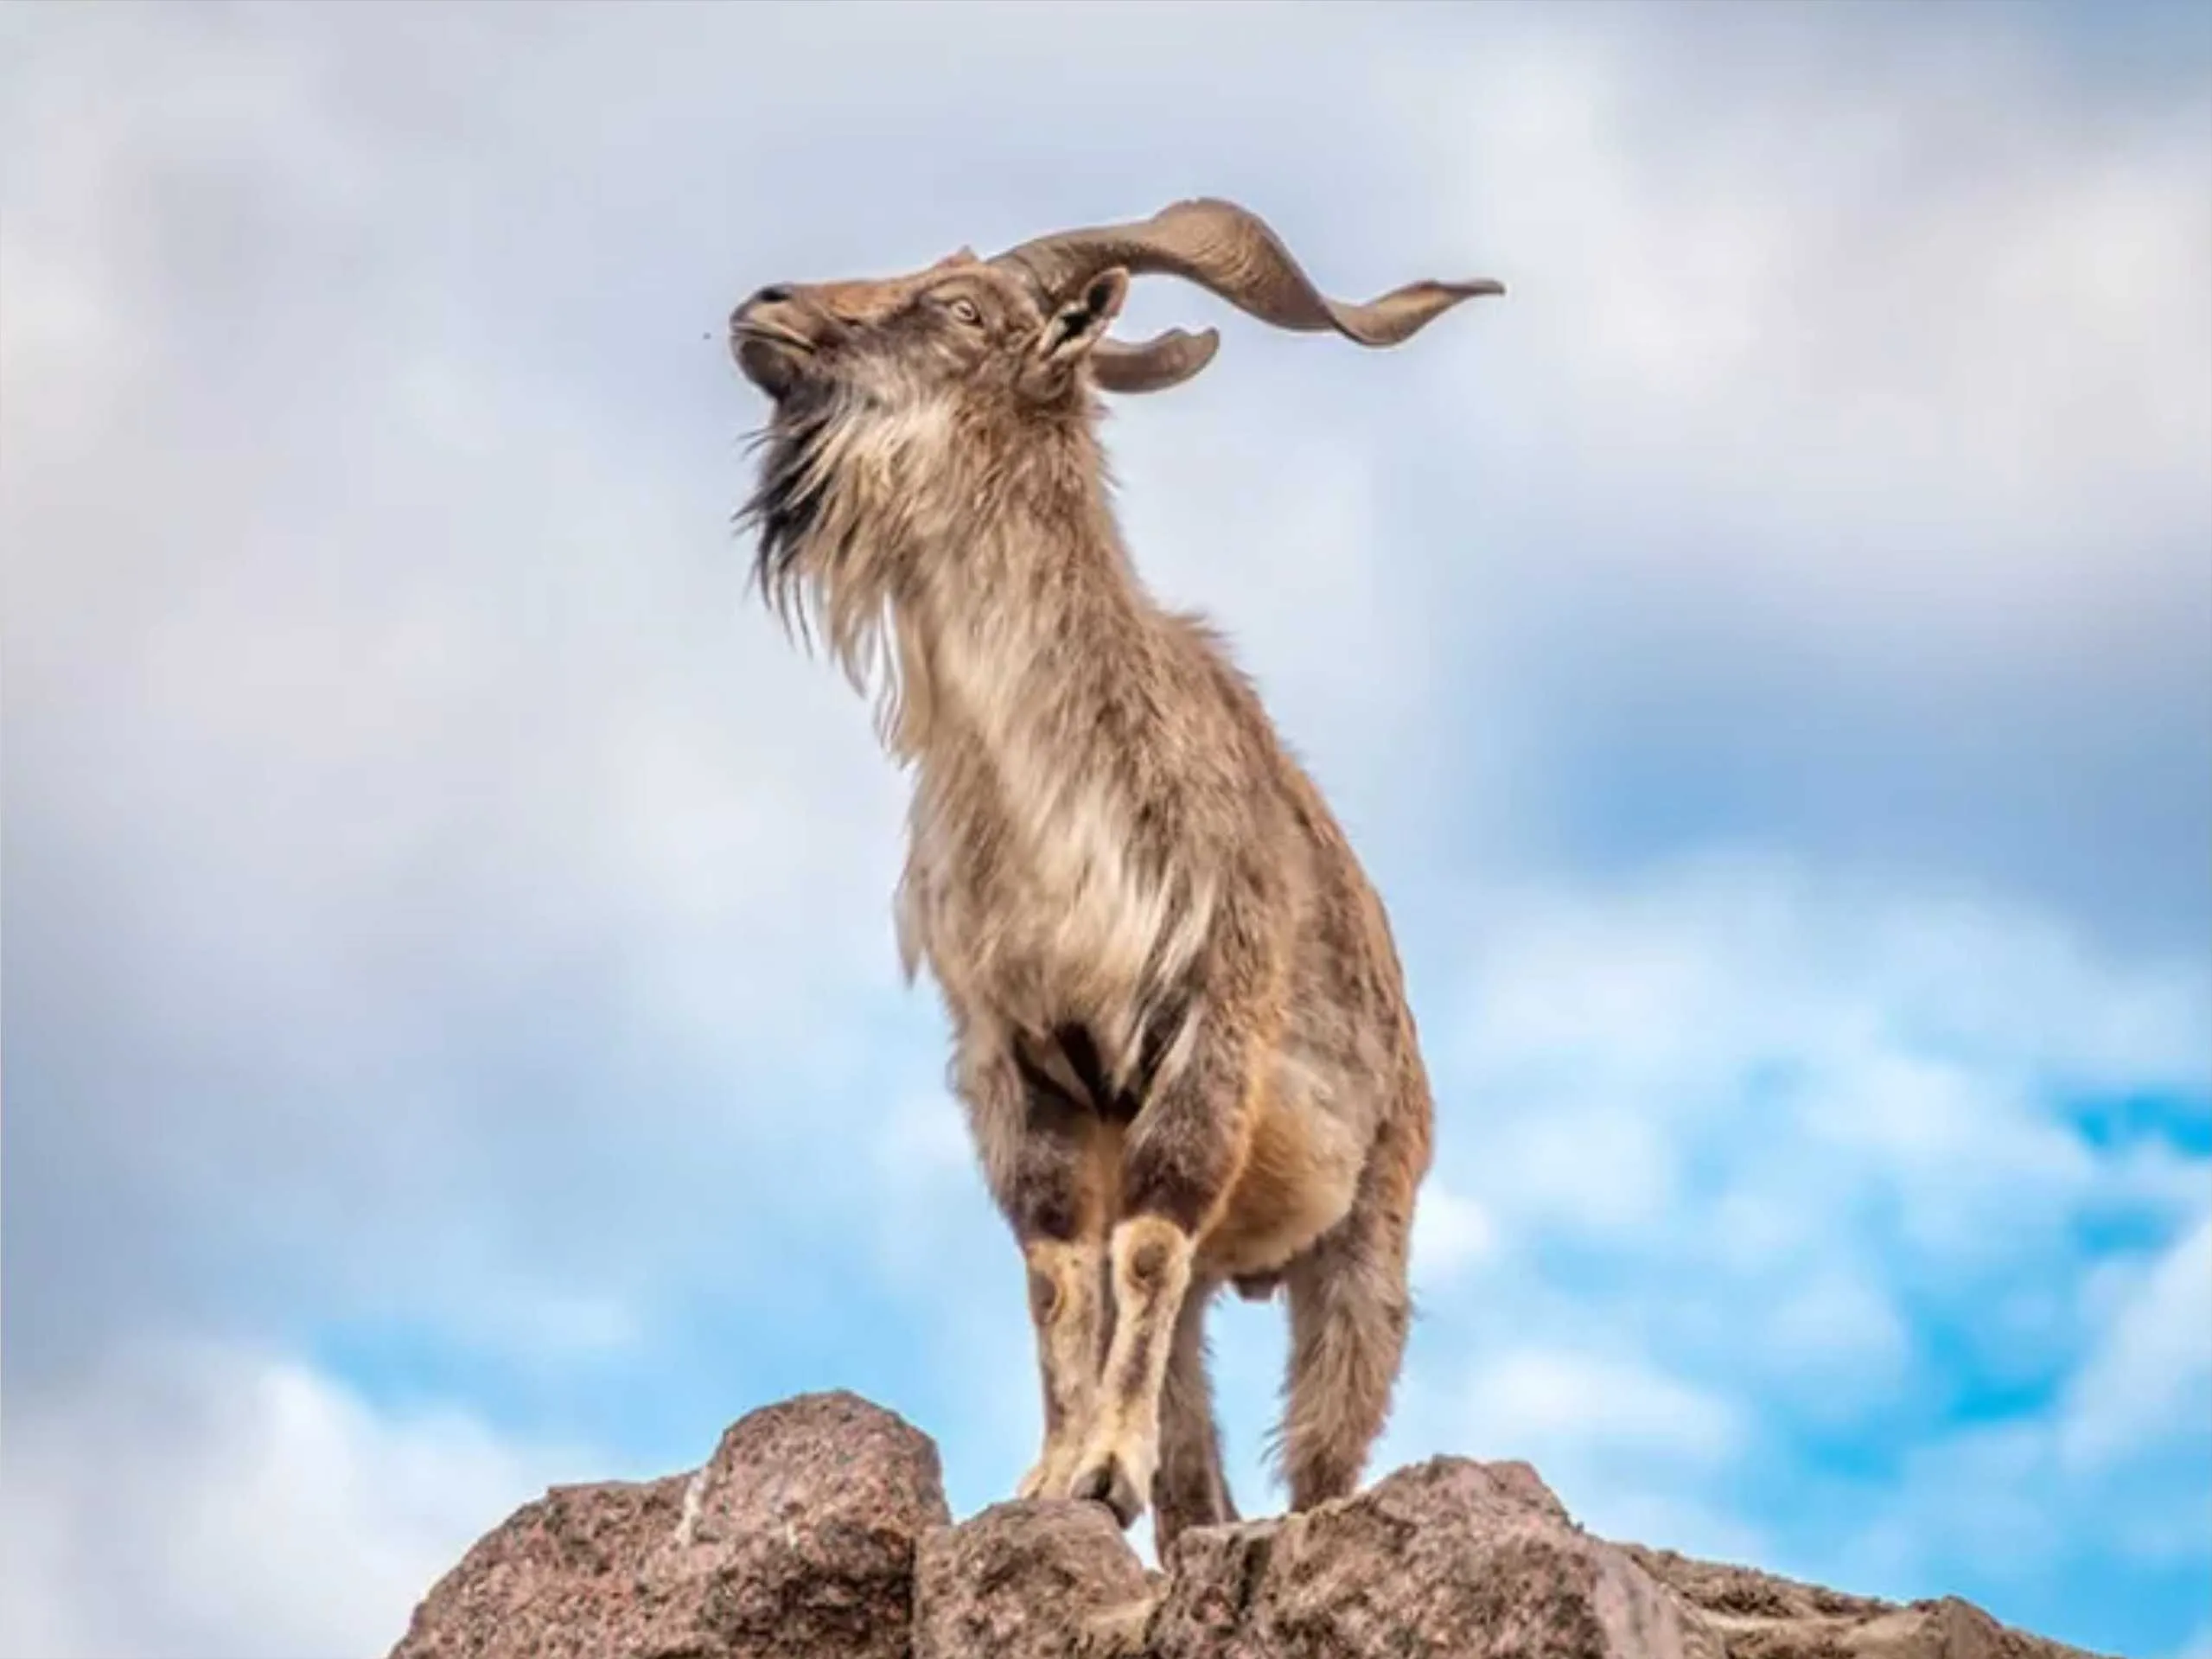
1112 1482
1045 1479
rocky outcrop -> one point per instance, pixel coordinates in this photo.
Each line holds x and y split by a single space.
797 1539
1758 1616
1030 1581
1449 1557
818 1530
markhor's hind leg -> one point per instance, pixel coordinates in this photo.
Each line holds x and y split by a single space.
1190 1489
1349 1311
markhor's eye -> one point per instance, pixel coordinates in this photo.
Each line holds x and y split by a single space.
965 310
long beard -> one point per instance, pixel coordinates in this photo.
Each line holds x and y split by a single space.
825 555
786 505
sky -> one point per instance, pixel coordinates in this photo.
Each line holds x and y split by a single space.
454 1038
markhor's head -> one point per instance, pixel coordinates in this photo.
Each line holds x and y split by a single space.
901 403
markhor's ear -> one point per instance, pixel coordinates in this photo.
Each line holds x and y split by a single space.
1081 323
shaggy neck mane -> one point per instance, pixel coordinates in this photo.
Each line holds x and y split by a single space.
947 564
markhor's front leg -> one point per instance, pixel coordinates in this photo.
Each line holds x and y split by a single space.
1184 1152
1067 1292
1047 1164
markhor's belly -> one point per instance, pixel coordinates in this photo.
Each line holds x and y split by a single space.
1297 1182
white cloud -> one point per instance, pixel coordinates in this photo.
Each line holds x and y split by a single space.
927 1207
1545 1405
2108 1478
1837 1334
1975 1498
1854 1200
1607 1168
1451 1234
1942 351
2151 1377
197 1500
1634 1451
1776 1052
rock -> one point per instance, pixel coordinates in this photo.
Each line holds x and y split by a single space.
796 1541
818 1530
1447 1557
1036 1580
561 1578
1761 1616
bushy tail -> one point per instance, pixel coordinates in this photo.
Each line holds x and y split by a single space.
1350 1309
